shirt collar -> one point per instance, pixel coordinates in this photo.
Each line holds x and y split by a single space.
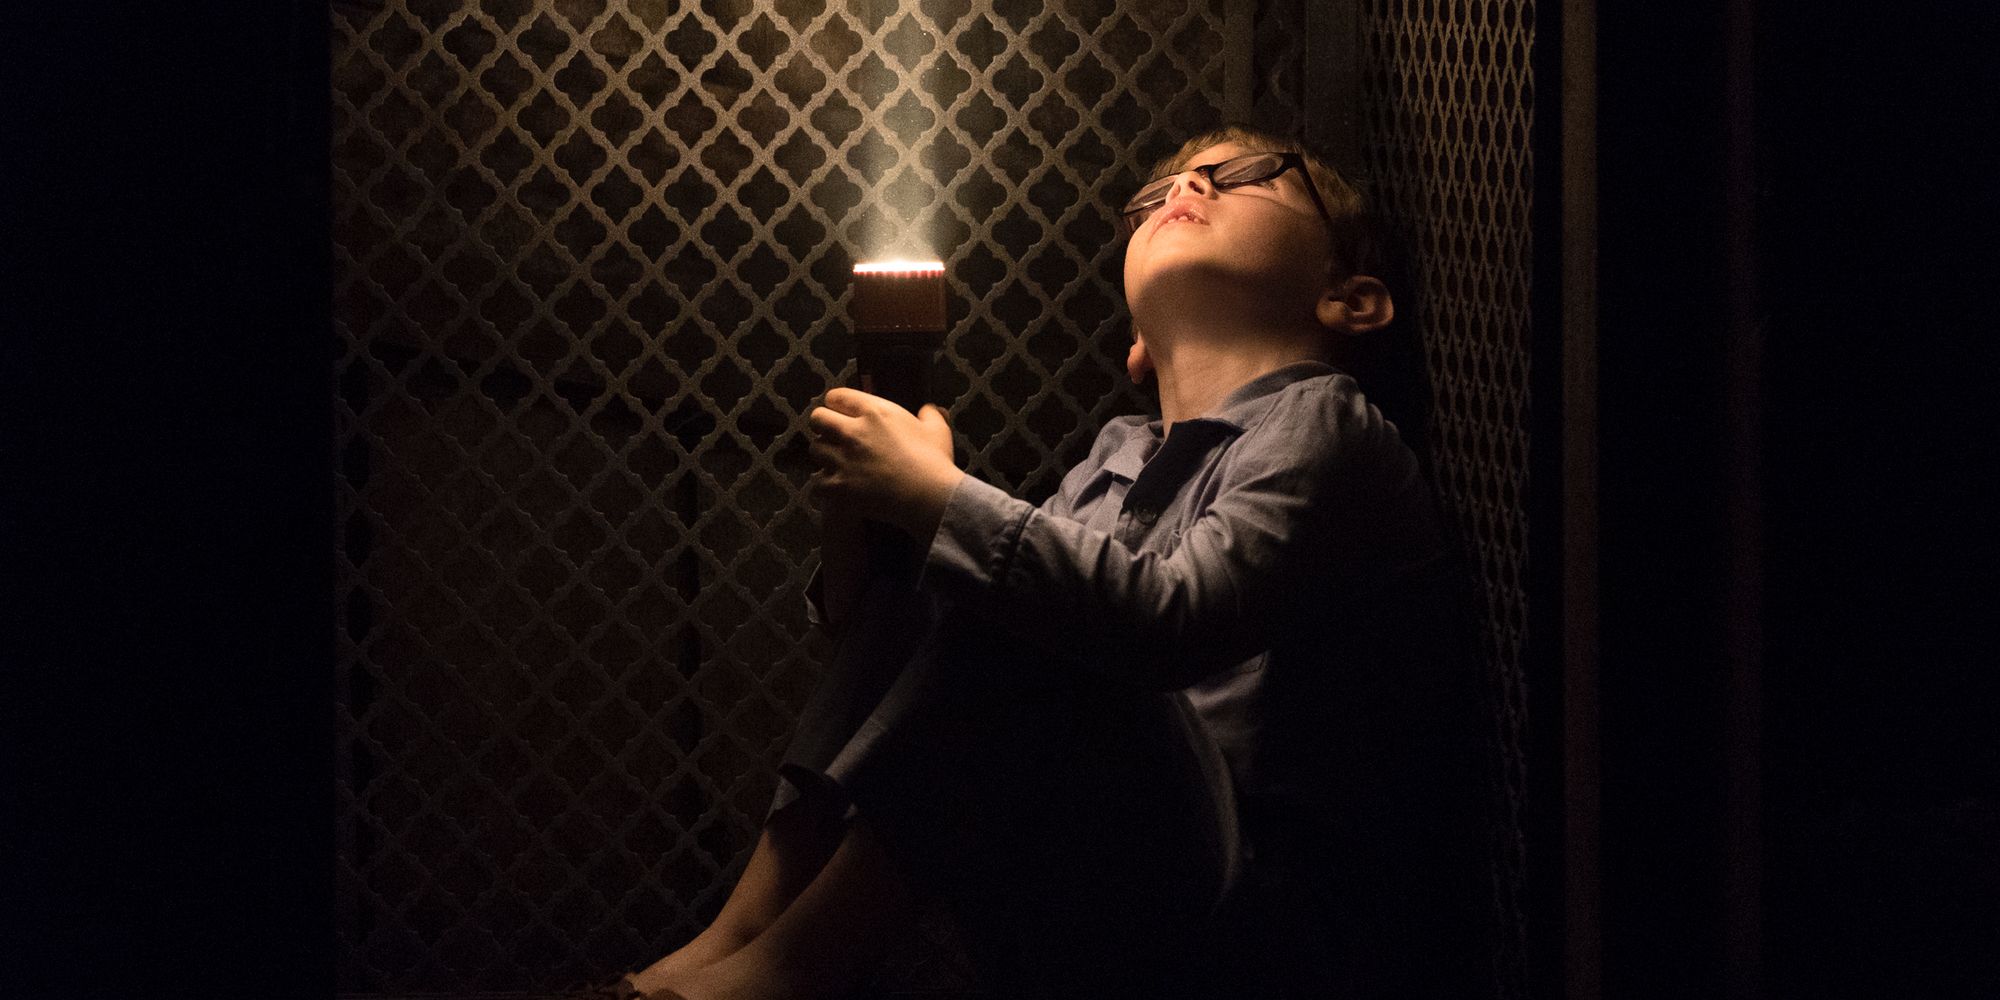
1131 455
1235 414
1252 398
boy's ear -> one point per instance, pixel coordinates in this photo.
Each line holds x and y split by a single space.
1358 305
1138 364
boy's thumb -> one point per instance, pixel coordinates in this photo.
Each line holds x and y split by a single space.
935 424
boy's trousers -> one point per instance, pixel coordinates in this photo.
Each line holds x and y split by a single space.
1081 832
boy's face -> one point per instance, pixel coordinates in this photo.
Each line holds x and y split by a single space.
1266 238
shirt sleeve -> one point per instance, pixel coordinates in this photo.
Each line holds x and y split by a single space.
1292 515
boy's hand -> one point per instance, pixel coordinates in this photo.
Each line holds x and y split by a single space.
883 462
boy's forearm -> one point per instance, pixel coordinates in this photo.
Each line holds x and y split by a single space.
1160 621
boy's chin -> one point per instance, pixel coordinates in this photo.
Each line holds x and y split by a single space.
1203 266
1196 274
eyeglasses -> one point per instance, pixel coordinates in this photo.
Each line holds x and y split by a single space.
1250 168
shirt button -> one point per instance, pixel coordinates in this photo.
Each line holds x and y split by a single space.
1145 515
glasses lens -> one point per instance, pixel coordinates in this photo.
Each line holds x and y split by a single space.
1141 207
1249 169
1233 172
1151 196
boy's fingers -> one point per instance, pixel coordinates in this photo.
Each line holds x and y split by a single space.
819 493
824 456
835 397
852 402
827 422
936 425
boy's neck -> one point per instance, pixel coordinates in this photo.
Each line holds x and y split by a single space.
1196 375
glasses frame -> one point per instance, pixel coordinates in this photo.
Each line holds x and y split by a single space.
1288 161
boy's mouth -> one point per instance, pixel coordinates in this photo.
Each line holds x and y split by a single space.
1181 213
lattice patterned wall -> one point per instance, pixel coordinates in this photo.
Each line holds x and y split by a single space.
591 266
1278 48
1447 107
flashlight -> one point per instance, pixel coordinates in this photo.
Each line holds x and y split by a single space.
899 325
898 314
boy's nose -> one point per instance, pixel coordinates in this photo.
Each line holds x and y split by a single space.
1193 181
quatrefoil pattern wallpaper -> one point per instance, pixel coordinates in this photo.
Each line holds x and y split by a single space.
591 265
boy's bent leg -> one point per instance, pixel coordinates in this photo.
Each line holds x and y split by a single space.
869 659
806 821
1080 828
1120 840
826 941
795 844
1097 821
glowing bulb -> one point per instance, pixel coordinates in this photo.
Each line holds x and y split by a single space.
900 267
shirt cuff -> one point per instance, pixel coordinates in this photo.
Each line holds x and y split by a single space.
976 539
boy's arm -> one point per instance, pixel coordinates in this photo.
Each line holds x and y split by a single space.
1329 482
1291 520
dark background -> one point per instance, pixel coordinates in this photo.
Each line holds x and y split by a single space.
167 662
167 795
1874 772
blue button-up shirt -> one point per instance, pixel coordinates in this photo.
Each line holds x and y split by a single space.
1278 560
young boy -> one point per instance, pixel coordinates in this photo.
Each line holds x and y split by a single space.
1193 720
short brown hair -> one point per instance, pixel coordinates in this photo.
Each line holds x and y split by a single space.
1357 244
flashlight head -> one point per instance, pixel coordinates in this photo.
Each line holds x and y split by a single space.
898 298
898 314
